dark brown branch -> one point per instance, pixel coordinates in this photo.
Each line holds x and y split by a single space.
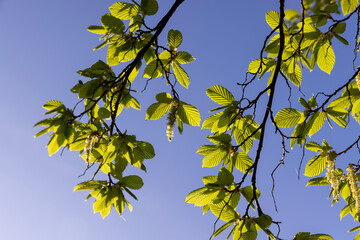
351 146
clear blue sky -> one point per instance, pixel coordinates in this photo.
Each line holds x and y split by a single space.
44 43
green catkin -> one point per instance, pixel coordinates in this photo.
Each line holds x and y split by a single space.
357 80
90 140
354 187
331 176
171 119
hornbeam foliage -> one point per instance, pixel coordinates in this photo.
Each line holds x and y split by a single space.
297 41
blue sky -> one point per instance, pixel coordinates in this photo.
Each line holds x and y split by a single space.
44 43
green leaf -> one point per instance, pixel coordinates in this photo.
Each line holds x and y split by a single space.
55 143
326 57
206 149
264 221
341 39
242 161
42 132
112 24
184 57
192 196
313 146
354 229
90 185
315 166
347 6
157 110
104 113
356 108
214 158
272 19
135 23
287 117
302 236
132 181
257 66
154 69
291 13
247 192
345 211
340 27
210 121
150 7
174 38
317 121
88 89
222 228
163 97
188 114
320 237
224 212
97 29
319 181
357 237
54 105
181 75
147 149
225 177
123 10
220 95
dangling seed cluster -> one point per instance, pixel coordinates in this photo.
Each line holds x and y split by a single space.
357 80
331 176
89 141
171 118
354 187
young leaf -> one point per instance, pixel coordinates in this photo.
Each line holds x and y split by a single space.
313 146
220 95
319 181
174 38
181 75
315 166
132 181
348 6
242 161
214 158
287 117
273 19
123 10
112 24
326 57
317 121
184 57
150 7
222 228
157 110
188 114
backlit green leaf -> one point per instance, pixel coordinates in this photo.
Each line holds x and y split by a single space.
181 75
287 117
315 166
326 57
348 6
157 110
188 114
220 95
174 38
123 10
